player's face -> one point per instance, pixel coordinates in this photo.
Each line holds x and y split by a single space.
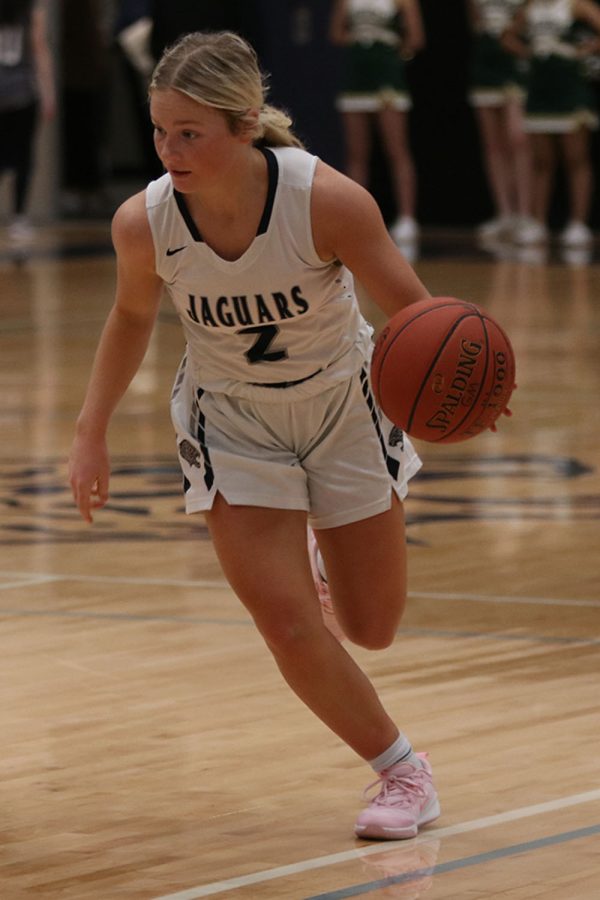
194 142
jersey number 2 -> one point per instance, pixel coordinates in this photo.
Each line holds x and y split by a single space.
259 351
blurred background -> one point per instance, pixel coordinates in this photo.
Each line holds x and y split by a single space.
98 149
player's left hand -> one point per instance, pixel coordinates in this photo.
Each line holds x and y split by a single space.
505 412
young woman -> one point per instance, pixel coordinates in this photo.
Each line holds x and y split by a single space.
26 89
378 36
560 108
497 96
256 241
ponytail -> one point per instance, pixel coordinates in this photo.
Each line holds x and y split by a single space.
276 129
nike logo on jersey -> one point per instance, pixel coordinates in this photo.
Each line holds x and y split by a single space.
176 250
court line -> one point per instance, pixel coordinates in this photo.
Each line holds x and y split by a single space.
557 640
482 598
462 863
553 640
498 636
25 582
128 617
320 862
43 577
48 578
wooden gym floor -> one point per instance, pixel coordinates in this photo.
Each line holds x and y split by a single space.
149 748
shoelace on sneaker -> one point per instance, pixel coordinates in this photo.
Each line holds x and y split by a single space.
398 789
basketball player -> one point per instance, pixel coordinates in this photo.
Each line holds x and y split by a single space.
255 240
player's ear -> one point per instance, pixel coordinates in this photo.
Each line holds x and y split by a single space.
249 126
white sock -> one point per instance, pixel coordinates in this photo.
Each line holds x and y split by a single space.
400 751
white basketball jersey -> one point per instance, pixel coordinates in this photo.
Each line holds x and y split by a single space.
275 316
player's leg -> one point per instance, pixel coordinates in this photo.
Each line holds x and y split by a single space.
263 553
365 565
358 468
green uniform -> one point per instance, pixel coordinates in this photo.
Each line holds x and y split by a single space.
495 74
373 71
559 99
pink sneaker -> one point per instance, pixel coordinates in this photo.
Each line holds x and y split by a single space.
406 801
327 612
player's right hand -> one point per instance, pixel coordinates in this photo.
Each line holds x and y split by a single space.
89 474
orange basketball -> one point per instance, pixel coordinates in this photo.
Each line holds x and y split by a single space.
443 370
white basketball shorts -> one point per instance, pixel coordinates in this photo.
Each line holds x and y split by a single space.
334 455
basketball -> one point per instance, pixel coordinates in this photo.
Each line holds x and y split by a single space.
443 370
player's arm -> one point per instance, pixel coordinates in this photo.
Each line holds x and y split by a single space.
120 352
348 225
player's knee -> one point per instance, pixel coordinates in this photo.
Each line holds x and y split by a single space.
285 635
375 631
373 636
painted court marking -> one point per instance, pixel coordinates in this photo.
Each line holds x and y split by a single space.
21 579
482 598
320 862
464 863
25 579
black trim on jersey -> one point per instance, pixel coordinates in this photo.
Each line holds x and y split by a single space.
273 176
284 384
182 206
209 475
263 225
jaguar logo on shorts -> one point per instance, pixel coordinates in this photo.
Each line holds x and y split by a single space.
396 437
188 452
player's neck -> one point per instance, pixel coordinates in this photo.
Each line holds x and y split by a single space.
228 219
237 189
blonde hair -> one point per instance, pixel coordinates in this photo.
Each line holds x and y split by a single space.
220 69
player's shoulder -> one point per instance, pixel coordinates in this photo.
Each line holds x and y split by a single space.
131 217
131 232
334 194
344 214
